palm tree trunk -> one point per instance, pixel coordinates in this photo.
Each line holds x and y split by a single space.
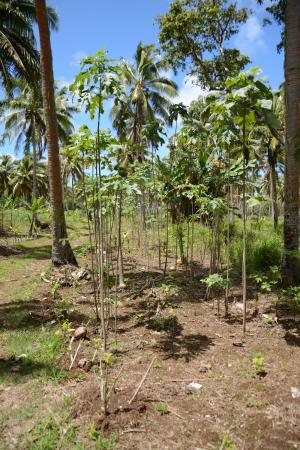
34 163
61 249
273 188
34 180
291 266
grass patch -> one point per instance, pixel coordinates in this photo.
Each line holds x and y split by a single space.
50 433
35 353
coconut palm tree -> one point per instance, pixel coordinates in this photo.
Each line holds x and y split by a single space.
18 55
6 166
24 120
148 94
21 179
61 250
268 145
71 167
148 97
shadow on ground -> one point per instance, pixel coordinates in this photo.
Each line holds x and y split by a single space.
34 313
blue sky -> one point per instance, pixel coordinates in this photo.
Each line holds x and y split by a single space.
118 26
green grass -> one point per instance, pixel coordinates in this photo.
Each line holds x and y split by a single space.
41 349
54 432
75 220
3 420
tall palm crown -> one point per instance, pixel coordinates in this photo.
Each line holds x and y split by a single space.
23 117
22 178
18 55
70 166
148 93
6 166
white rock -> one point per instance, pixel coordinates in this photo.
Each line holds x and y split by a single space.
194 387
79 274
238 306
295 392
80 333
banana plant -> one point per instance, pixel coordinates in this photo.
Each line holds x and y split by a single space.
35 207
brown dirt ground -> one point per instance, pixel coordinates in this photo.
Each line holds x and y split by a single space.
254 412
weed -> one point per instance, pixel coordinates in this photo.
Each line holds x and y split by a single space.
55 288
167 288
268 321
256 403
258 363
115 347
107 358
263 251
227 444
46 435
258 387
69 400
100 441
158 323
294 296
215 281
162 408
79 377
53 432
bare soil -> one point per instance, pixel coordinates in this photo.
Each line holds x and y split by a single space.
237 406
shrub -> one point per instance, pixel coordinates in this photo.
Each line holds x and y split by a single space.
267 253
162 408
262 252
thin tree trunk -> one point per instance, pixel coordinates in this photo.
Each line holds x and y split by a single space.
73 192
291 266
244 264
143 210
167 241
119 240
61 249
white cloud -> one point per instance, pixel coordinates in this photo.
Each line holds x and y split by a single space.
167 74
189 91
251 37
77 57
61 82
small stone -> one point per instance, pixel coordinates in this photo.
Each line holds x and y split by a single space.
295 392
7 357
15 369
79 274
51 322
204 368
237 307
82 362
80 333
194 387
239 344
